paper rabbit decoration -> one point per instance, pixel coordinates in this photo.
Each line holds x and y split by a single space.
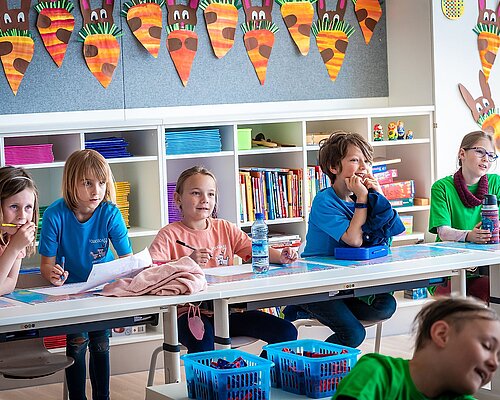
258 31
55 23
488 39
16 45
483 109
182 40
99 34
332 36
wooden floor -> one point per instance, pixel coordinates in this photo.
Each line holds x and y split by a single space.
132 386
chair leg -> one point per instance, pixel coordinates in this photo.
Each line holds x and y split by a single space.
152 365
378 337
65 388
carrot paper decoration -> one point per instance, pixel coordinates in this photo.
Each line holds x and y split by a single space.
258 32
332 36
182 40
368 13
144 20
488 36
16 44
99 34
221 17
483 109
298 16
55 23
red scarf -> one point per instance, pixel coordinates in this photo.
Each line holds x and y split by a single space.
470 200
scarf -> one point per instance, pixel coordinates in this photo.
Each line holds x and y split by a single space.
468 199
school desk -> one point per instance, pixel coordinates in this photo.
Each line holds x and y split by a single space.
300 282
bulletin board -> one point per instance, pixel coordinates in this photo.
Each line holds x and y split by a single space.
143 81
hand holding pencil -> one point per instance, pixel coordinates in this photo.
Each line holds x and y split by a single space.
200 256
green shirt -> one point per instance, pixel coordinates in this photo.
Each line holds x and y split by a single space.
379 377
448 210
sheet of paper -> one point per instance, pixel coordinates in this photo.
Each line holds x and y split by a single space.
232 270
103 273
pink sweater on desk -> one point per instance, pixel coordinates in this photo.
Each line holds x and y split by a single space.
183 276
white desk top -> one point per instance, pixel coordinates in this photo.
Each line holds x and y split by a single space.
384 271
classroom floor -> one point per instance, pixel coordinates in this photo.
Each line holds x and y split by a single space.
132 386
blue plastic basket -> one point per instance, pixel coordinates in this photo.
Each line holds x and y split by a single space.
314 377
207 383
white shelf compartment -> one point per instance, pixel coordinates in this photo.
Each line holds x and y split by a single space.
402 210
227 153
275 221
269 150
399 142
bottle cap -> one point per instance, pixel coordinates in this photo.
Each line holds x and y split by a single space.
489 200
259 216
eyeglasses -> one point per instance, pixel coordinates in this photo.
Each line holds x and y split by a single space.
481 153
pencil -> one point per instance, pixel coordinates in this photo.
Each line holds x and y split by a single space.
10 225
185 245
63 260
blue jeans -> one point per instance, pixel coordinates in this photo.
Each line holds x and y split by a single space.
253 323
342 316
76 347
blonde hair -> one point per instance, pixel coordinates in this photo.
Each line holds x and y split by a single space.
81 165
197 169
14 180
455 311
333 150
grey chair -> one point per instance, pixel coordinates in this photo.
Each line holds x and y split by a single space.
378 333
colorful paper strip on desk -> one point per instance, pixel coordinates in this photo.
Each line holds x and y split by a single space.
467 246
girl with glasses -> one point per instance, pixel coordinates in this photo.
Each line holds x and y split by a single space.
456 200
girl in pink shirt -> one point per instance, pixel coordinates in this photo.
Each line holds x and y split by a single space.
18 219
214 243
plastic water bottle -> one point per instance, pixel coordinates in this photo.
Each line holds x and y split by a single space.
260 245
489 216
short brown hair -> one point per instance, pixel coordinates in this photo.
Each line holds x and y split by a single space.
333 150
83 164
471 139
454 310
197 169
14 180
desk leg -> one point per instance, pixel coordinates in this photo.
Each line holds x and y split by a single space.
458 286
171 353
494 393
221 322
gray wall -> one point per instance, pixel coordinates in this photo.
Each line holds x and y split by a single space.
142 81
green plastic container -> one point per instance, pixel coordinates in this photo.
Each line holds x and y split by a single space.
244 138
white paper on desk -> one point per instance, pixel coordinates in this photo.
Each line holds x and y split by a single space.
103 273
232 270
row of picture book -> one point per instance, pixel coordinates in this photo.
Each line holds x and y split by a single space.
275 192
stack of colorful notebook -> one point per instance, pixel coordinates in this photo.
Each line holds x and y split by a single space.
195 141
42 210
109 147
122 192
31 154
174 214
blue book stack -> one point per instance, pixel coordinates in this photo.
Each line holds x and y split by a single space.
193 141
109 147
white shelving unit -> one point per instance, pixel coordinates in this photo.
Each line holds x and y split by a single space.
150 169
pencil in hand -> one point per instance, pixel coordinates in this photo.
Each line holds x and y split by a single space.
185 244
10 225
63 259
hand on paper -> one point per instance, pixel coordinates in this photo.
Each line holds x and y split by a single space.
21 236
58 275
288 255
201 256
478 235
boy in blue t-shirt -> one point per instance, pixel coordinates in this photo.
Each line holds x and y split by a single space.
336 219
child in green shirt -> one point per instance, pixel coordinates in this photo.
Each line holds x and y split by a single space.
456 352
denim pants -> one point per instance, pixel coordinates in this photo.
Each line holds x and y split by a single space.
253 323
342 316
76 347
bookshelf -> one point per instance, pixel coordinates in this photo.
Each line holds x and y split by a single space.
150 169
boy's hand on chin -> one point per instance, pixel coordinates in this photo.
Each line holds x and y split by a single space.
355 185
371 183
